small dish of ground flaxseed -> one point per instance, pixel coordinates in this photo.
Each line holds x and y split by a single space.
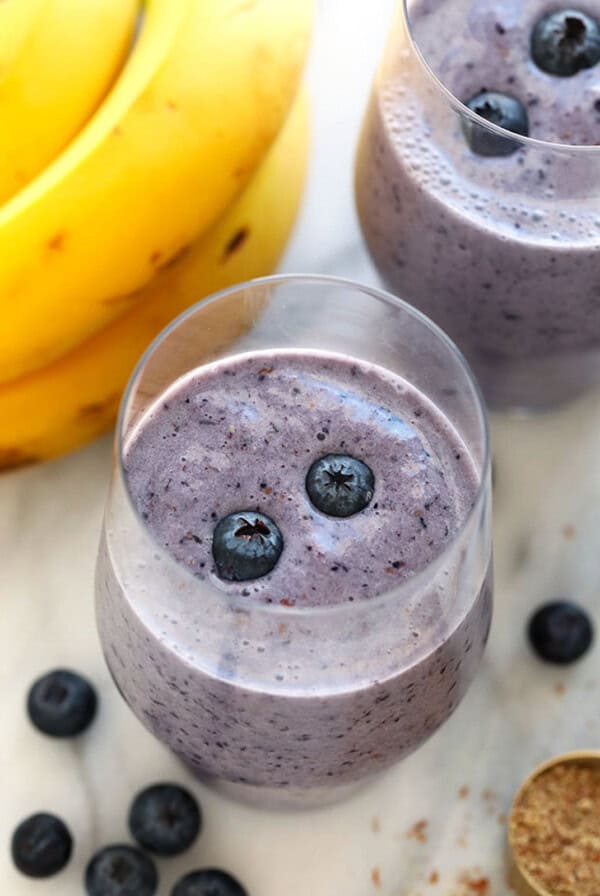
554 828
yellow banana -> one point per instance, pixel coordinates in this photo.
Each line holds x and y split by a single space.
17 17
153 170
60 71
75 399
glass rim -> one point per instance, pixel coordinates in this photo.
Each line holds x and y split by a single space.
275 609
463 109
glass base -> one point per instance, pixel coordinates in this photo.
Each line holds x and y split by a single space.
290 799
279 799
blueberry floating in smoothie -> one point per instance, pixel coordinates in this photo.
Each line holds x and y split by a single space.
120 870
340 485
41 845
565 42
560 632
62 703
208 882
165 819
246 545
501 109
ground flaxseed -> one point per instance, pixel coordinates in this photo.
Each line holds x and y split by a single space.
555 830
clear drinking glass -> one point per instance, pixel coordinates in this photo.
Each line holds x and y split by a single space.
275 704
502 251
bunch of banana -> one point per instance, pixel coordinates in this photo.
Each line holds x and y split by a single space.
185 179
58 60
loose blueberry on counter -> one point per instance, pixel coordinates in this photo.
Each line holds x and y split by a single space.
165 819
560 632
41 845
61 703
501 109
208 882
565 42
340 485
120 870
246 545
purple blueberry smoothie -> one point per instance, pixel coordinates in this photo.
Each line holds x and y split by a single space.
502 251
309 678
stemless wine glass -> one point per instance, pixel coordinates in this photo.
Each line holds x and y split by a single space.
501 247
287 705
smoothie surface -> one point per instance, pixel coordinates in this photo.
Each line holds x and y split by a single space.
241 434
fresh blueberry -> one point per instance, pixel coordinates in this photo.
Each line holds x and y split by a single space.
565 42
246 545
61 703
165 819
120 870
498 108
560 632
340 485
208 882
41 845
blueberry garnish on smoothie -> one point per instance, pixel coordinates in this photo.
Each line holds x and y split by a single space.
560 632
246 545
340 485
565 42
501 109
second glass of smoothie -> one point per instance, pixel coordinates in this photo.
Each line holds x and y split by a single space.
293 585
493 233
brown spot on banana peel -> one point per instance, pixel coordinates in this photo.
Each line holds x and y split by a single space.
175 258
242 172
243 6
56 243
161 261
99 408
124 297
236 242
15 459
170 262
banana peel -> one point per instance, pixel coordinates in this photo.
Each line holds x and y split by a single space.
63 60
205 92
76 398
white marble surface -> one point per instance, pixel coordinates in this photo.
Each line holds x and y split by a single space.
517 713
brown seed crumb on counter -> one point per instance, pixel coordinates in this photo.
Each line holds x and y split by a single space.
418 831
555 830
569 532
463 792
434 877
474 884
376 877
489 798
375 825
559 689
480 885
